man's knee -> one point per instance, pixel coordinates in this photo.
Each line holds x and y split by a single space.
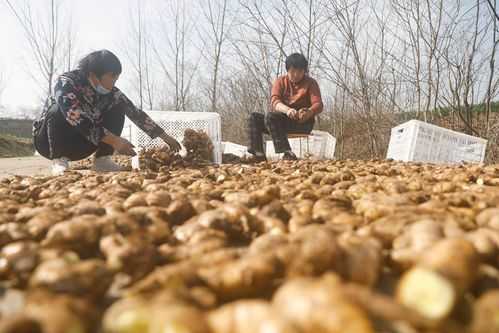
255 116
256 119
274 120
274 116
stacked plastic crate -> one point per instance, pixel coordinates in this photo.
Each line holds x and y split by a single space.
317 145
175 123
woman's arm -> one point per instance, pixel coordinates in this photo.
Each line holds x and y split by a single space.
138 116
142 120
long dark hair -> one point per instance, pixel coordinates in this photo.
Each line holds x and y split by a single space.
100 63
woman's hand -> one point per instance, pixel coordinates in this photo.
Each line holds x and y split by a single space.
171 142
122 146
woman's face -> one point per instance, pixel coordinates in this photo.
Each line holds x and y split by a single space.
107 80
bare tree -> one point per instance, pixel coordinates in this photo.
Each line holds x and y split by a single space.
176 33
137 48
69 43
241 97
378 62
308 28
259 45
258 62
266 32
214 36
345 16
49 38
429 28
493 7
409 13
267 20
3 82
465 62
490 84
286 27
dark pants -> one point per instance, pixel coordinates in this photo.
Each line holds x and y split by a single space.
278 125
66 141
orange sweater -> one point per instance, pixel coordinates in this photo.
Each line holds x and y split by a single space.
304 94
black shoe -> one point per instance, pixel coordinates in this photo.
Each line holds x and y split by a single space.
256 158
289 156
259 158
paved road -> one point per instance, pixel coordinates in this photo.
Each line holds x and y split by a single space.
25 166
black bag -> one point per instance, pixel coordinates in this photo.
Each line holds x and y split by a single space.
41 130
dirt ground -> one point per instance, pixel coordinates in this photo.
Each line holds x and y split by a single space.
26 166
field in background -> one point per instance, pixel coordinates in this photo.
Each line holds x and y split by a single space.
354 140
12 146
15 137
17 127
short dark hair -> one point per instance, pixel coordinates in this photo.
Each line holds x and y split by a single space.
100 63
297 60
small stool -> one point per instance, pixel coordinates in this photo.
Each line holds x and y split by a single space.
300 136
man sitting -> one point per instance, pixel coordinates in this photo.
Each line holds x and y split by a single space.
296 100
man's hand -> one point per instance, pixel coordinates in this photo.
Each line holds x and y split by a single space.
122 146
292 114
304 115
171 142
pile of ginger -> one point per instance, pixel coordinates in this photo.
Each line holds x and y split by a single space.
291 246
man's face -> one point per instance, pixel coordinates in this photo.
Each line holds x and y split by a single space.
295 75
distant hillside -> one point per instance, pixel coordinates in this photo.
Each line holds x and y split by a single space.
16 127
357 140
445 112
15 137
11 146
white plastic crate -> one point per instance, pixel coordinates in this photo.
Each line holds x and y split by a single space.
175 123
234 148
318 145
422 142
127 129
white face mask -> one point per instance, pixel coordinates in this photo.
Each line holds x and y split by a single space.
101 90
